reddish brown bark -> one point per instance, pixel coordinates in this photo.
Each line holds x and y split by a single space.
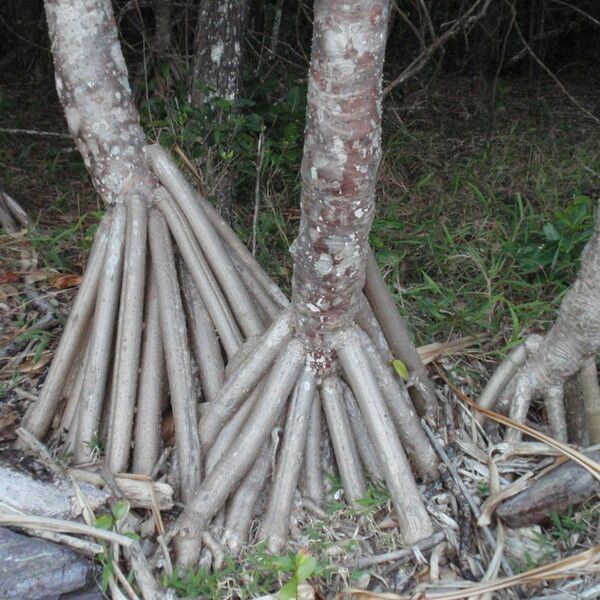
342 150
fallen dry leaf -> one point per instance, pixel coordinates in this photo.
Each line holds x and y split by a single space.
9 277
8 425
38 275
8 291
67 281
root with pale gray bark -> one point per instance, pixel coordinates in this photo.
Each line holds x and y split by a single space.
12 216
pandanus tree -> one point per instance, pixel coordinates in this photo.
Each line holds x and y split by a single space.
129 314
315 357
169 287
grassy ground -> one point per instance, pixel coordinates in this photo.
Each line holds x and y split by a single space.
479 227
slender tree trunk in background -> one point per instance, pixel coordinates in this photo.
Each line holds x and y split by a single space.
218 49
162 27
216 73
275 27
306 353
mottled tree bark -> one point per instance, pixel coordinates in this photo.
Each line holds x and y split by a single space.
93 87
342 150
162 27
216 73
218 49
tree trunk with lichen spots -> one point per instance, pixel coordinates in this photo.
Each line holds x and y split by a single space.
218 49
162 27
96 97
216 73
342 150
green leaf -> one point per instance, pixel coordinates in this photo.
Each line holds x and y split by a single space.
551 232
104 522
306 565
106 573
120 509
284 563
290 590
400 368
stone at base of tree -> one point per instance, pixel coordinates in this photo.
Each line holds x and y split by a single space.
567 485
40 570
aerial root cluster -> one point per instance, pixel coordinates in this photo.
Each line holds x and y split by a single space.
12 216
542 365
523 376
369 421
170 293
130 326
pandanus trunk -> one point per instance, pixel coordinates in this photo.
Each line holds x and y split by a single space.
93 87
342 150
92 84
368 417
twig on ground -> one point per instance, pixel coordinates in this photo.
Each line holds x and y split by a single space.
491 540
587 560
58 134
378 559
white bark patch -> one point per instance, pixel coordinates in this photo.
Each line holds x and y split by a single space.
324 265
73 120
216 52
338 149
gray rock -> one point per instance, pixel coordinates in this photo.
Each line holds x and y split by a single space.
34 569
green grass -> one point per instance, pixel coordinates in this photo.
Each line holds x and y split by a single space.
61 247
561 535
479 229
256 572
